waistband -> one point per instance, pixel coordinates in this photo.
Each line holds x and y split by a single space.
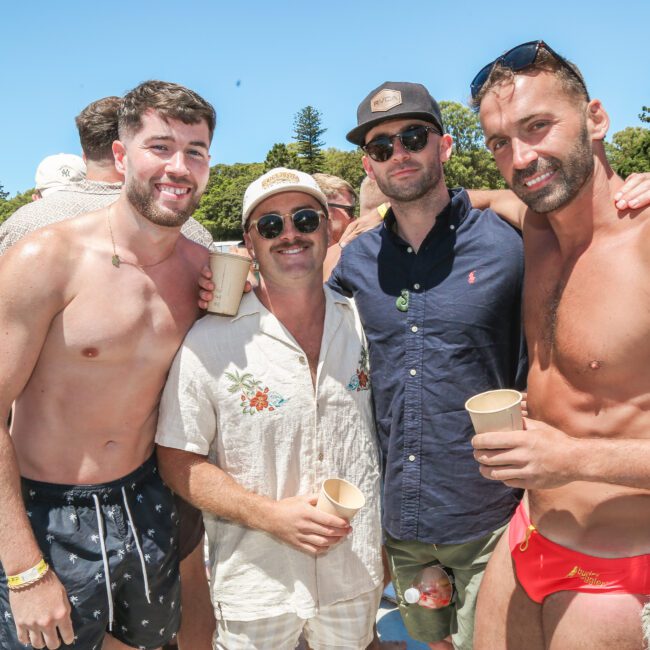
80 495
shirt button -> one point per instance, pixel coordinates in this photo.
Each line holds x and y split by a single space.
452 227
409 250
414 328
302 360
411 457
413 372
321 456
416 286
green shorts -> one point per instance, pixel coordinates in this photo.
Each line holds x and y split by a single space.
467 561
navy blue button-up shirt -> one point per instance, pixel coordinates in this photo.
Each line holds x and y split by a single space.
442 325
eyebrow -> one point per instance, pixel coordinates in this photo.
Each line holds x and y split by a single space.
169 138
518 123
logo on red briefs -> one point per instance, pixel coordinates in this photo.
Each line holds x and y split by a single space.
471 278
588 577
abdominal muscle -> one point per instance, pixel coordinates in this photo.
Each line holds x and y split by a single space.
600 519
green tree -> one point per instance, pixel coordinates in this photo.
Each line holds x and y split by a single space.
644 115
344 164
629 150
471 164
307 132
280 155
9 206
3 194
221 205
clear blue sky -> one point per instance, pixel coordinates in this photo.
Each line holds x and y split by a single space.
56 57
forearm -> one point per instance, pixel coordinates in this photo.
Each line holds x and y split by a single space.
616 461
503 202
19 550
209 488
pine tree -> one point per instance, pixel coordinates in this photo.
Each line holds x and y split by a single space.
308 130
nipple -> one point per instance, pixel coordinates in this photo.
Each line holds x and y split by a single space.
595 364
90 353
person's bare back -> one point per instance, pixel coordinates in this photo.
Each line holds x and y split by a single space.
102 339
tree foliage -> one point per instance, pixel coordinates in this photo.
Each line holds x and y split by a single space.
344 164
3 194
471 164
9 206
629 150
307 132
280 155
644 115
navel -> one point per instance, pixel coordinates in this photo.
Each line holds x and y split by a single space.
90 353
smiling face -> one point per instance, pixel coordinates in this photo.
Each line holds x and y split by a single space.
292 255
166 168
407 175
541 139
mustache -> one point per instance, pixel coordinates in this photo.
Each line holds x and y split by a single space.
539 166
299 241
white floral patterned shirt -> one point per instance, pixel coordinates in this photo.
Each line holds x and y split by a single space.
240 392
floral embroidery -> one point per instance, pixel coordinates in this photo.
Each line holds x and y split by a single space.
360 380
254 398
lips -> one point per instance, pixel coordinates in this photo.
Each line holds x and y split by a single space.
174 191
538 179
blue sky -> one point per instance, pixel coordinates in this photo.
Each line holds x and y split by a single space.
55 58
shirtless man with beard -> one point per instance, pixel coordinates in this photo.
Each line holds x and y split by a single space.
573 571
92 311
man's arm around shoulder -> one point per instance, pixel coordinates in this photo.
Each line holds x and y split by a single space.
32 291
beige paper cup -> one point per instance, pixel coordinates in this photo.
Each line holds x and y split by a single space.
495 410
341 498
229 273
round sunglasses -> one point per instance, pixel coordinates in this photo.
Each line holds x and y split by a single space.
413 138
305 221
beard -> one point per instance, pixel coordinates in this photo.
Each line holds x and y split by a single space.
140 196
412 190
570 176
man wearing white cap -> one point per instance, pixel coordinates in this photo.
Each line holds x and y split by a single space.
56 172
250 427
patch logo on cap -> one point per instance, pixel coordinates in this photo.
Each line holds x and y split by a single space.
384 100
279 179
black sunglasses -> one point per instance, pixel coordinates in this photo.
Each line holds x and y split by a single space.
414 138
519 58
305 221
347 208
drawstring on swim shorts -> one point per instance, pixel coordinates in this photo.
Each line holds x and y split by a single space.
529 531
107 577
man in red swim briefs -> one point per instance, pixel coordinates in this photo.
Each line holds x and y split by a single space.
578 574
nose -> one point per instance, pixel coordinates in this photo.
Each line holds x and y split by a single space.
522 154
176 164
399 152
289 230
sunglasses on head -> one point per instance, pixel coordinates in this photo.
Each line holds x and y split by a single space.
349 209
305 221
413 138
517 59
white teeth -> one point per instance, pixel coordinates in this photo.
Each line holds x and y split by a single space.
538 179
291 251
174 190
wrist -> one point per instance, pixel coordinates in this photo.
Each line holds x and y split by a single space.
30 576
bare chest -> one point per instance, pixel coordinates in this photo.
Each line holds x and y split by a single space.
589 319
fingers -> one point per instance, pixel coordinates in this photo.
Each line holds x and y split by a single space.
66 630
206 272
206 283
635 192
36 639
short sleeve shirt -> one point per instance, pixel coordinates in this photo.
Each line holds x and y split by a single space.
240 391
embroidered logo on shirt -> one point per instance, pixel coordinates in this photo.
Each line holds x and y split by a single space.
471 278
588 577
254 398
360 380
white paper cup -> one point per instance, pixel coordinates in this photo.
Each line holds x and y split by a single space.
341 498
495 410
229 273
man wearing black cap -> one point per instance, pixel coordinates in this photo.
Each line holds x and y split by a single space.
438 288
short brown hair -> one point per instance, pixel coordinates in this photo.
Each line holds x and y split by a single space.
569 76
97 126
331 185
170 100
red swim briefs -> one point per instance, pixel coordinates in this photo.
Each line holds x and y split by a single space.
544 567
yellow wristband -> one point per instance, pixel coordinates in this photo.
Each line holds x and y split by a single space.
383 209
28 577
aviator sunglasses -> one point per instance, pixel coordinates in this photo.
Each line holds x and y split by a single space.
413 138
517 59
305 221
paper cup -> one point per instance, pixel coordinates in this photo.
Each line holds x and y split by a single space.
229 273
495 410
339 497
